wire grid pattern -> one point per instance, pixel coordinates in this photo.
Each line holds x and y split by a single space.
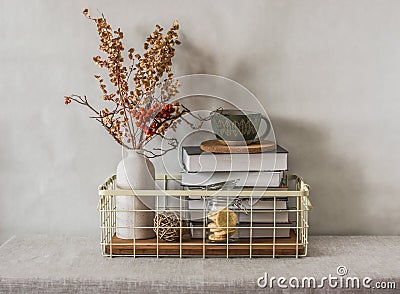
295 246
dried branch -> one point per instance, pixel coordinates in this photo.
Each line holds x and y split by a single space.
173 142
138 114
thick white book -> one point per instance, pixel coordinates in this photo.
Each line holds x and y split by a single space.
197 204
260 216
257 204
264 203
252 179
238 189
258 230
264 230
196 160
197 215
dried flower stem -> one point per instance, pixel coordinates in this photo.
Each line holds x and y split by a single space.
139 114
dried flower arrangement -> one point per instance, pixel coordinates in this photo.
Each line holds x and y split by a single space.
146 111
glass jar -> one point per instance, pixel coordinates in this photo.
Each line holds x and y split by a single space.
222 220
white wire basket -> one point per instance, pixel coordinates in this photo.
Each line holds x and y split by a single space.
293 243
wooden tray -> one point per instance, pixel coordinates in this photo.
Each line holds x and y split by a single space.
262 246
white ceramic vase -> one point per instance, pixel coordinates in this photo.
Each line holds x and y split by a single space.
136 172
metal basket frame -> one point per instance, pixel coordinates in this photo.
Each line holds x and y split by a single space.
299 196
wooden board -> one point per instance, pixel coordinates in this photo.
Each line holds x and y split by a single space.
194 247
216 146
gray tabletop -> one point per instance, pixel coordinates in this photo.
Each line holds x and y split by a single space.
74 264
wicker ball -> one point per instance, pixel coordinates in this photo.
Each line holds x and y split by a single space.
168 227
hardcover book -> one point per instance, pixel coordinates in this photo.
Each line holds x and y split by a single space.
261 230
196 160
253 179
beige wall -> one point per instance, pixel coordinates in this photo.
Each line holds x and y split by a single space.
327 72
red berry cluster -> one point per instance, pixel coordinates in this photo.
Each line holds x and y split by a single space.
158 114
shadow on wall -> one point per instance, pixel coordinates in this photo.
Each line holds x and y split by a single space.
336 181
193 59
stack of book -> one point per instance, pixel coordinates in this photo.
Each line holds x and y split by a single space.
252 171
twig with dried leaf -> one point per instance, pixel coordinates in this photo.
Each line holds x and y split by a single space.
144 111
